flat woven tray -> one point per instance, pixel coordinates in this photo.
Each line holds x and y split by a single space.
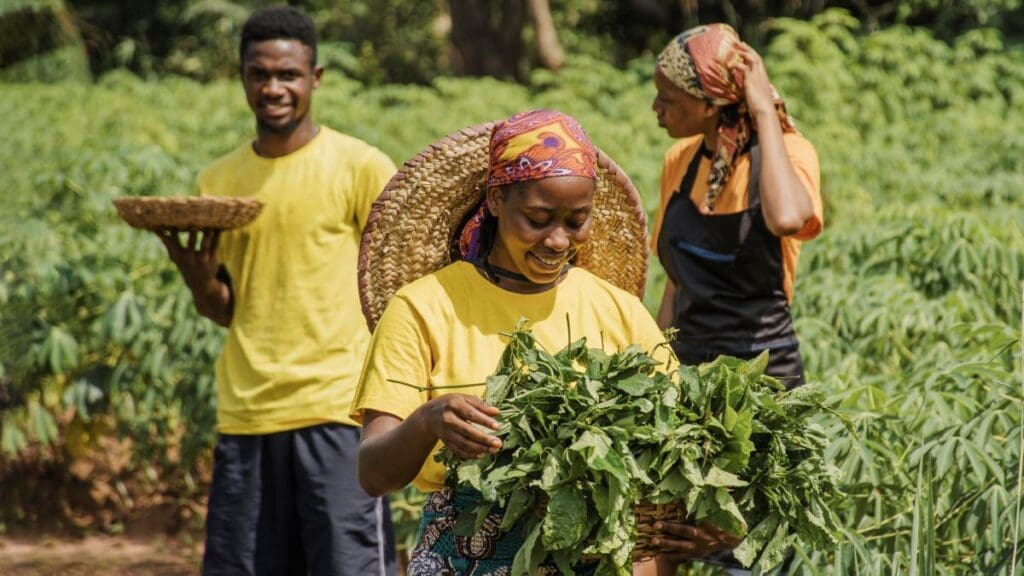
187 213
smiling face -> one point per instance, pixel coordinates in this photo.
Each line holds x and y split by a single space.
541 224
279 79
679 113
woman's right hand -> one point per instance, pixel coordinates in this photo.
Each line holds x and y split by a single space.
453 419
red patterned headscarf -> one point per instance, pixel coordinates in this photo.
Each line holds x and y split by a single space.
700 61
531 146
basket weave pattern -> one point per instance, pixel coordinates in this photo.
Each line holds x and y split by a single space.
187 213
413 224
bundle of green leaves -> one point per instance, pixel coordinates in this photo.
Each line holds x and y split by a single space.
587 435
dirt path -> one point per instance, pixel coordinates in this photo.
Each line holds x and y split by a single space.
97 555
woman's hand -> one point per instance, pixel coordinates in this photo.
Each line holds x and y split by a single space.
757 89
688 542
453 418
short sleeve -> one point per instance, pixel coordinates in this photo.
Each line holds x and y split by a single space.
804 159
649 336
399 352
374 172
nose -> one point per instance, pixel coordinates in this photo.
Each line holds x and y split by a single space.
273 87
559 240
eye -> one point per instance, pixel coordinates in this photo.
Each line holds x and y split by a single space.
536 223
576 223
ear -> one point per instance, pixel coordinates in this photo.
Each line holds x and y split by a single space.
494 199
711 111
318 72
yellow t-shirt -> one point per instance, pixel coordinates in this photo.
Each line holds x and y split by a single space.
445 329
297 336
733 196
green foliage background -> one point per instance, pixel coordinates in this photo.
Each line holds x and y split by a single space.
908 305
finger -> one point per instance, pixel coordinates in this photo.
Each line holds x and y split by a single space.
487 441
721 536
476 411
464 447
483 406
170 243
191 243
676 548
214 240
207 239
684 532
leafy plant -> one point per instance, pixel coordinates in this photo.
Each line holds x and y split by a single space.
587 435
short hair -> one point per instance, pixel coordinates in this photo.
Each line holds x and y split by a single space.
278 23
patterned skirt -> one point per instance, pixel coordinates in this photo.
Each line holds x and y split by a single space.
488 552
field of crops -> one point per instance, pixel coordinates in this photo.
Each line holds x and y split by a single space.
908 305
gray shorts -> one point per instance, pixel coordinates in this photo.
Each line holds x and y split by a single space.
290 503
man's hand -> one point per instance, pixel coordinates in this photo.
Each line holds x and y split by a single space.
197 261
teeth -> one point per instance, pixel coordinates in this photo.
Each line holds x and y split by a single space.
548 263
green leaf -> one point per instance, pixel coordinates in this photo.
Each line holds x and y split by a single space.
720 478
565 523
530 554
756 540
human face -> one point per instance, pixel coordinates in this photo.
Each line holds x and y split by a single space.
541 225
279 80
679 113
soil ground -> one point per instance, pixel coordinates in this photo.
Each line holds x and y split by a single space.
98 555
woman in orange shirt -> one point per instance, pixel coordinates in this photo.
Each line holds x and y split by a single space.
739 192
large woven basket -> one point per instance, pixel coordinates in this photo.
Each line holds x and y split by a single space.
187 213
414 223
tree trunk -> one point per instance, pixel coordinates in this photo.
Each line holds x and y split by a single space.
487 37
549 51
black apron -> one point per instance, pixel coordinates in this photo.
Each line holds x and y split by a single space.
728 273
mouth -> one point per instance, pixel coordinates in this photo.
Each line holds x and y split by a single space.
276 110
549 263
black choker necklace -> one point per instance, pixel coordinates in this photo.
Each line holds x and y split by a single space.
705 152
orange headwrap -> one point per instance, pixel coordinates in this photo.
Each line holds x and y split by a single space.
701 62
531 146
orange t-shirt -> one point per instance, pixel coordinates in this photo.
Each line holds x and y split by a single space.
733 196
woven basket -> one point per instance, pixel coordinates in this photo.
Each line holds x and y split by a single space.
187 213
413 226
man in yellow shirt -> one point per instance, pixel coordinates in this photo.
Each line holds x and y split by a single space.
285 498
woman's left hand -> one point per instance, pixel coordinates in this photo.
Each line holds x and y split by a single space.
688 542
757 89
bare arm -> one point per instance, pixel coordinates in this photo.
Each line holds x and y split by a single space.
666 312
197 261
785 202
393 450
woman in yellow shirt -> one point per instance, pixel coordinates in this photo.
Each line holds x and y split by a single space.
546 197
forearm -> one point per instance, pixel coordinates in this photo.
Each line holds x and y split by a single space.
666 312
213 299
785 202
392 451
